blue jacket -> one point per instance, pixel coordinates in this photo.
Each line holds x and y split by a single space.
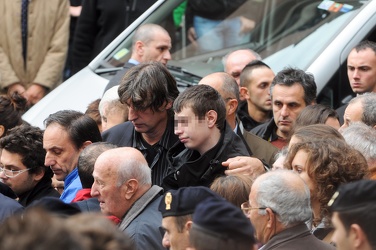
72 184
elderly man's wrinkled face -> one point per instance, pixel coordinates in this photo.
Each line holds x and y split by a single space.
111 196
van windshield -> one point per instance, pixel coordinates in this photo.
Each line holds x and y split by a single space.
283 32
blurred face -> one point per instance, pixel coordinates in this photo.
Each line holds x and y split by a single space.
300 165
288 102
62 155
340 237
158 49
361 70
192 131
112 117
173 239
111 197
147 121
23 182
236 62
258 86
353 113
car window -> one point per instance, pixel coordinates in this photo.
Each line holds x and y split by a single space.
287 32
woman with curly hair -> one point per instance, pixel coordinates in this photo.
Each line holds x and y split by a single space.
324 164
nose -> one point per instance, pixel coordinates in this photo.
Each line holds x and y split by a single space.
355 74
177 128
49 160
94 190
166 241
132 114
2 174
284 111
167 55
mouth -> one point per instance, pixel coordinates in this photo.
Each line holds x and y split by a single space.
284 123
183 140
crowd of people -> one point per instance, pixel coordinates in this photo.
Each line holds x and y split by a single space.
245 159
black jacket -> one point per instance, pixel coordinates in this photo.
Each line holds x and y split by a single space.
100 22
267 131
188 168
42 189
124 134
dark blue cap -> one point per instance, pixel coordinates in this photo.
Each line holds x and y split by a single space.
56 206
223 219
183 201
354 195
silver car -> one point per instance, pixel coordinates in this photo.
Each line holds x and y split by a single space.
315 36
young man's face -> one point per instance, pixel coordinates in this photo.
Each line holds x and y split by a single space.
158 49
173 238
258 86
361 70
192 131
22 182
62 155
288 102
340 236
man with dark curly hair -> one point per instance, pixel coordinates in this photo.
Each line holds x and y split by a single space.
22 164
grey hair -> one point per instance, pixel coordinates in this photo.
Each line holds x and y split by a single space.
133 169
368 101
110 96
363 138
292 205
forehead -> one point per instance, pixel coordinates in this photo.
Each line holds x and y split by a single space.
261 72
284 93
160 38
56 134
185 111
365 56
8 158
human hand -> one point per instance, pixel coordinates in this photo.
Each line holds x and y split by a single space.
246 25
192 36
16 87
244 165
35 93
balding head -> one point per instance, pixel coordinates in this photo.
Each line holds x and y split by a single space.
228 89
121 177
235 61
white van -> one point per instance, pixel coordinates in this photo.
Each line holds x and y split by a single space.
315 36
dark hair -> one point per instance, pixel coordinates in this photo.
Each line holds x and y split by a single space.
93 111
11 109
365 45
317 132
364 218
148 85
79 127
27 141
291 76
315 114
181 221
247 70
87 159
201 99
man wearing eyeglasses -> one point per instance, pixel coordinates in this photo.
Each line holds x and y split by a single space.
22 164
278 207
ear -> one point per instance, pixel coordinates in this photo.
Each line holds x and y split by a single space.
233 106
39 176
271 218
357 236
188 225
2 130
211 117
85 144
130 187
168 105
139 47
244 93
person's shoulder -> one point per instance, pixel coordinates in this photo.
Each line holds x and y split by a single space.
119 133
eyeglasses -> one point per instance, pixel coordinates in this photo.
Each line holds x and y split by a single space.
246 208
13 173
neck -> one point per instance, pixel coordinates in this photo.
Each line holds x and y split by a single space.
257 114
154 136
231 120
282 134
211 141
316 210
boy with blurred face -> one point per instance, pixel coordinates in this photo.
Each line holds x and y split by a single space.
205 139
